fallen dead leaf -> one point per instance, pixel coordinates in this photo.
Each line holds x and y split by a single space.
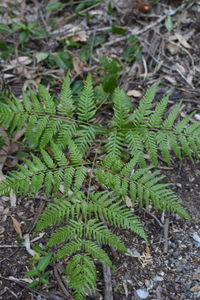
181 68
134 93
129 202
13 199
146 257
6 213
182 40
17 227
27 280
170 79
40 235
2 229
77 64
173 49
27 245
20 61
75 32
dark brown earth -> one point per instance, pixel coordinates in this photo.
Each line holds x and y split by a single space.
169 268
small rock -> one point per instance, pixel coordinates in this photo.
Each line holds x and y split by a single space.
1 209
198 294
133 252
141 294
148 284
157 278
196 276
195 288
176 254
196 237
197 117
179 185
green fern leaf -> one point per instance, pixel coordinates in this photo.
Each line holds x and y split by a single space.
96 252
86 136
49 104
121 109
66 105
156 117
114 144
144 107
169 122
79 178
82 272
86 107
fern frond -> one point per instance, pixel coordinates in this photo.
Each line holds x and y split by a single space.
54 214
156 117
97 252
143 110
52 127
142 187
85 138
69 249
163 141
114 143
67 130
169 122
115 213
151 146
68 177
73 230
75 154
82 273
62 132
99 232
121 110
58 155
111 162
48 102
49 170
135 143
86 106
12 114
36 104
66 105
80 176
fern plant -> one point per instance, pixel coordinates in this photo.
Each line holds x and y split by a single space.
95 167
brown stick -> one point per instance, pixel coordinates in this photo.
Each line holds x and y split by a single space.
49 295
61 285
108 294
37 215
166 232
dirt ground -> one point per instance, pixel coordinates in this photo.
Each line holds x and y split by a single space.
168 35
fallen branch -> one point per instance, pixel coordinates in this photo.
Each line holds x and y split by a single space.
49 296
148 27
108 294
60 283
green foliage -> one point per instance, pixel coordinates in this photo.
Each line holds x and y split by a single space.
1 142
133 50
112 68
95 168
38 272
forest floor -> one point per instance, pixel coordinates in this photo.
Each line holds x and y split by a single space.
39 42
